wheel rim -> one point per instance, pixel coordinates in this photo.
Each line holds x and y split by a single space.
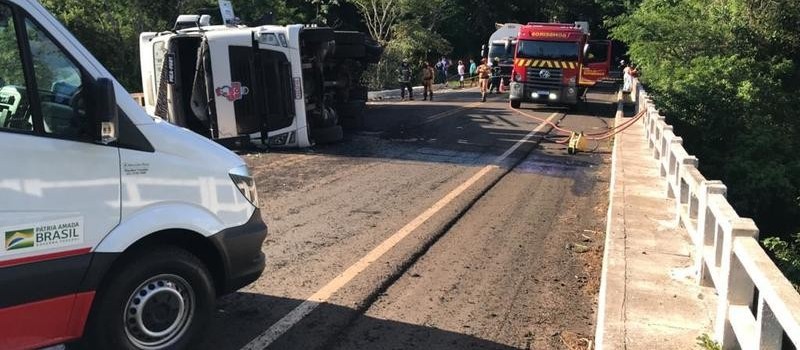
158 312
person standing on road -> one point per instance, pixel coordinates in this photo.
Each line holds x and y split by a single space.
404 78
473 70
495 82
462 71
428 74
484 72
443 73
628 74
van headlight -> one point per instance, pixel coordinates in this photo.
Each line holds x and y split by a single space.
245 183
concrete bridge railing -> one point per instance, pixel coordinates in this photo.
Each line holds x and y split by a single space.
758 308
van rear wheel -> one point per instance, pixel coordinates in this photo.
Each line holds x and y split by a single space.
156 300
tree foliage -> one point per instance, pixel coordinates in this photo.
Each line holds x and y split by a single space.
726 75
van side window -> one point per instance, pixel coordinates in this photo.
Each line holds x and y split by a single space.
60 86
14 107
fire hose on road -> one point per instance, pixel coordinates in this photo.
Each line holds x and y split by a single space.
576 140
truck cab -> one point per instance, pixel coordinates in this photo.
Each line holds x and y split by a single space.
555 63
274 86
117 229
502 47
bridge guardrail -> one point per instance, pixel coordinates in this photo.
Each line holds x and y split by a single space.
756 303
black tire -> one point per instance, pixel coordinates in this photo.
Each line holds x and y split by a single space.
316 35
374 51
349 51
164 272
347 37
327 135
359 93
516 104
351 109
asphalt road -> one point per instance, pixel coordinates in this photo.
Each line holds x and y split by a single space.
448 225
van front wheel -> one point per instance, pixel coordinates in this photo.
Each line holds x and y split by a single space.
156 300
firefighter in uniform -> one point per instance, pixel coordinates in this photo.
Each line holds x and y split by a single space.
484 73
404 78
495 82
428 73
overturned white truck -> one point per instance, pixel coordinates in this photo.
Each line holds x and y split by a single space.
275 86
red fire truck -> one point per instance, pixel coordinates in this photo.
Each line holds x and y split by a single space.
555 63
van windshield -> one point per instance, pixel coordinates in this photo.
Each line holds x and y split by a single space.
561 50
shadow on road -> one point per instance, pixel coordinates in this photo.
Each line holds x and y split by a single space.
323 328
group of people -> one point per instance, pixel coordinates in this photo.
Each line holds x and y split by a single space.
488 77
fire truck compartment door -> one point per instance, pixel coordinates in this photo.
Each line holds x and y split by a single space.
597 62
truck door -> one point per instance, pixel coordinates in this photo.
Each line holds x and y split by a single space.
596 62
59 190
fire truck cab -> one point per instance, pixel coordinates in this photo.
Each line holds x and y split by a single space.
555 63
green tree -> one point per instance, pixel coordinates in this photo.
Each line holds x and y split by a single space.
726 75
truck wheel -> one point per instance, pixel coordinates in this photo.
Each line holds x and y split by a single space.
516 104
316 35
327 135
359 93
351 109
160 299
351 114
349 51
347 37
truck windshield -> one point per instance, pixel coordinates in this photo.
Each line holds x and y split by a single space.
500 51
562 50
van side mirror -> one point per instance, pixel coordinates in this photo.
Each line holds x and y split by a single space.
106 115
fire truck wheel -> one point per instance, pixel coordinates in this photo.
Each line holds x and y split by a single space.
516 104
158 299
327 135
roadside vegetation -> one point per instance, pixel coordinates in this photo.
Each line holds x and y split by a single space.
727 76
414 30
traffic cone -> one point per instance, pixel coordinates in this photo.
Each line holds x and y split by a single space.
502 85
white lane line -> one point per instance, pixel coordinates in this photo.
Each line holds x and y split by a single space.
444 114
324 294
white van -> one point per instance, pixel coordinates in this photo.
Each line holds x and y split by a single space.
118 229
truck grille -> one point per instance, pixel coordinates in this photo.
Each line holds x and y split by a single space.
536 80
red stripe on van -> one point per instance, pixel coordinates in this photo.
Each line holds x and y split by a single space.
44 323
44 257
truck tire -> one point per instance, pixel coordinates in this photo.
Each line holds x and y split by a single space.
160 298
347 37
374 51
359 93
349 51
516 104
316 35
327 135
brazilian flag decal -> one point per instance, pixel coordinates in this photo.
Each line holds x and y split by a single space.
19 239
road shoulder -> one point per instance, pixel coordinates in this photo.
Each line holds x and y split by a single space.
648 298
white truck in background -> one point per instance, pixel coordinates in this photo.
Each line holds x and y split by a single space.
270 86
501 46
